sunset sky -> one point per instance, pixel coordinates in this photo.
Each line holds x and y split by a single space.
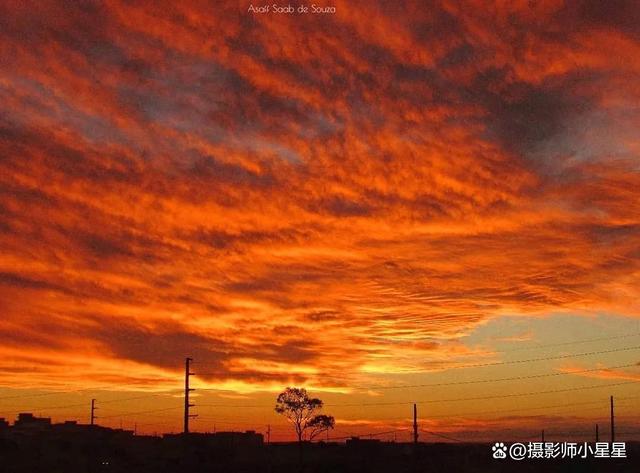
397 194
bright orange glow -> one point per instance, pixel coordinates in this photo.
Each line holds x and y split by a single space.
338 202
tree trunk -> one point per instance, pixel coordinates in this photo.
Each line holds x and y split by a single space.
300 455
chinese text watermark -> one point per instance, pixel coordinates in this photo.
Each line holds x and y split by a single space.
533 450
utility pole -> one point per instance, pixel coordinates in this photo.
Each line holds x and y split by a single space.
93 412
269 434
415 424
613 430
542 435
597 434
187 390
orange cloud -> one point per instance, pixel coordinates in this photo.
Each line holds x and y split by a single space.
607 373
314 201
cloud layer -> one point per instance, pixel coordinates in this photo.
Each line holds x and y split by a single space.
307 199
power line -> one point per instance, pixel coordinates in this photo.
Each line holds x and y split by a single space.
122 414
372 434
503 411
536 347
78 391
249 406
109 401
430 401
493 380
56 393
545 358
519 409
145 396
157 423
431 416
442 436
403 402
574 342
405 386
501 363
38 409
479 398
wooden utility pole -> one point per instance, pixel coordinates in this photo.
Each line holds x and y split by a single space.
597 434
93 412
187 390
613 429
415 424
269 434
542 436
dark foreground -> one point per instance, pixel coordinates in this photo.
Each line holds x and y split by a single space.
132 454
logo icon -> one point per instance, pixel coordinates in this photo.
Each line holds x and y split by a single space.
499 450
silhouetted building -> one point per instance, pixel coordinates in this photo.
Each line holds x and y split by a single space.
358 442
3 424
227 440
71 425
238 439
27 422
35 445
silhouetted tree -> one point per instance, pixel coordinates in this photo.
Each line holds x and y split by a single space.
300 410
320 423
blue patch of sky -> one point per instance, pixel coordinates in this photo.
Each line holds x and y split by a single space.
520 332
93 128
594 136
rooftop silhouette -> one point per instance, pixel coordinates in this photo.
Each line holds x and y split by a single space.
36 444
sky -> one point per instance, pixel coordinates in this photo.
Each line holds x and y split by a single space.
352 202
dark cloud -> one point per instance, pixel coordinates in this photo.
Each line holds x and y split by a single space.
158 347
526 118
621 15
24 282
342 207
